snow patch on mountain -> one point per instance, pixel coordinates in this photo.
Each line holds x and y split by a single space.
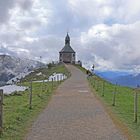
11 67
18 77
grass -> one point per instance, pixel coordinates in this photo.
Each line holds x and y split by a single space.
124 106
17 117
123 111
46 72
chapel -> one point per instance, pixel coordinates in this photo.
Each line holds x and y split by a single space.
67 54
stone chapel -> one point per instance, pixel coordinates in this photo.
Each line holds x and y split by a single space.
67 54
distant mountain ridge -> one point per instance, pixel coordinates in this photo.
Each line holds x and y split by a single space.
129 80
121 78
111 74
11 66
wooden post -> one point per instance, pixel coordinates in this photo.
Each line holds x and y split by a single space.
30 96
61 77
97 85
46 87
52 83
42 87
103 92
1 109
94 82
136 105
114 95
57 79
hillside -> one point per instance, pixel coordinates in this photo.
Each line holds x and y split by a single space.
12 66
18 117
120 105
122 110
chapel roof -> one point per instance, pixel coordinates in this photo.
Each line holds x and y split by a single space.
67 49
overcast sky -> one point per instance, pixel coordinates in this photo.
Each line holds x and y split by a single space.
103 32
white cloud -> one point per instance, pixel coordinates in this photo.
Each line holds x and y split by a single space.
104 32
115 47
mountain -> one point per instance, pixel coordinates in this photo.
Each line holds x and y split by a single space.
128 80
111 74
121 78
11 66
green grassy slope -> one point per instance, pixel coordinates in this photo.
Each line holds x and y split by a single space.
17 118
124 108
46 72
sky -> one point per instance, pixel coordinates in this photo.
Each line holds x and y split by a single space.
105 33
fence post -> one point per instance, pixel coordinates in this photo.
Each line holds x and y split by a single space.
1 109
136 105
54 79
103 88
97 85
114 95
58 79
52 83
30 96
43 86
94 82
61 78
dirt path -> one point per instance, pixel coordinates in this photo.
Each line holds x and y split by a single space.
74 114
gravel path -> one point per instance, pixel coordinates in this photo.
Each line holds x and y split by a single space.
74 114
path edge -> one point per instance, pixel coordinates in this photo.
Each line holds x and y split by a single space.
117 122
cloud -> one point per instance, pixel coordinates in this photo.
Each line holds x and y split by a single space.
114 47
47 47
7 5
25 4
103 32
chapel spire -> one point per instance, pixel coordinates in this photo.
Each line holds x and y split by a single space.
67 39
67 54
